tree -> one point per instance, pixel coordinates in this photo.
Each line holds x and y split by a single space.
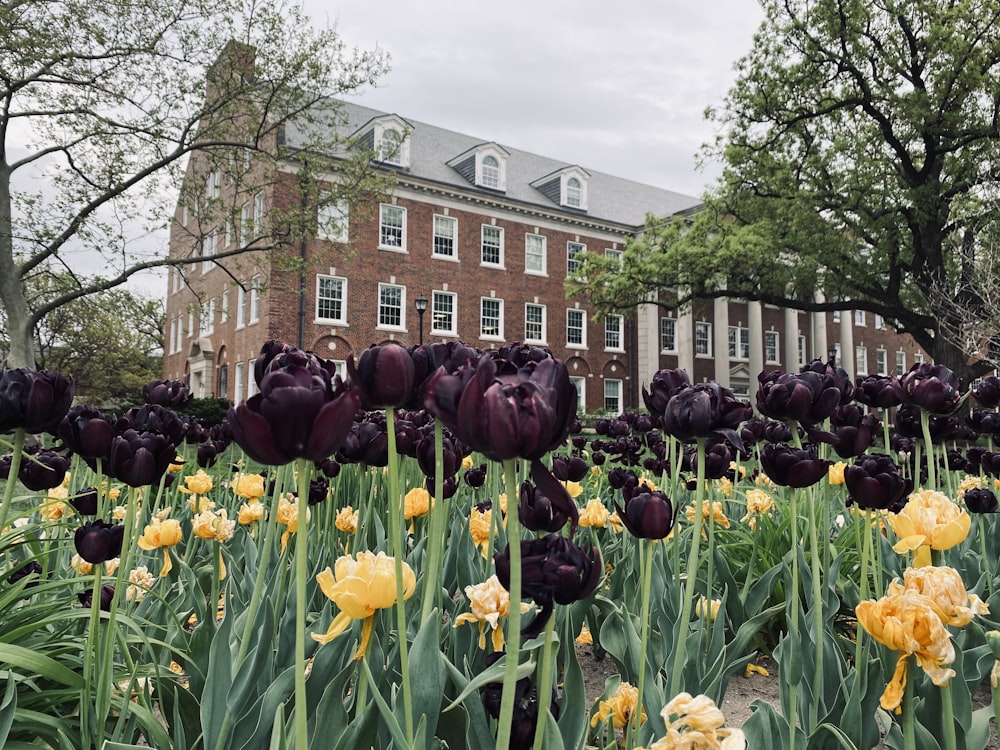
105 105
859 148
109 341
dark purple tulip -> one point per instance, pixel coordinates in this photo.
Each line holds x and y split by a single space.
107 596
85 502
476 476
153 418
208 452
42 470
832 376
448 488
875 482
704 410
718 458
367 442
318 490
383 375
793 467
140 458
933 388
598 458
602 426
173 394
619 477
87 432
955 460
984 421
988 392
427 459
853 441
328 467
297 414
989 462
268 352
97 541
538 513
569 468
647 514
194 432
752 431
777 432
973 459
807 397
907 423
525 716
28 569
33 400
664 385
553 571
882 391
981 500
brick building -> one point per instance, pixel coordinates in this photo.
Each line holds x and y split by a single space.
483 236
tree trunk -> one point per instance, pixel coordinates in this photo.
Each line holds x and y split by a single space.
15 306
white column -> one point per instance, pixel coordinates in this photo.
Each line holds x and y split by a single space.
685 340
818 323
647 330
720 328
847 343
791 355
755 322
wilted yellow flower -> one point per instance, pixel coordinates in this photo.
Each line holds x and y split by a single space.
288 515
197 484
347 520
360 586
763 480
176 465
929 521
725 486
704 606
585 638
417 503
945 589
696 723
709 510
200 503
250 512
619 707
480 522
85 568
595 514
488 602
615 522
53 509
161 534
758 504
214 525
575 489
907 622
248 486
836 473
140 582
753 669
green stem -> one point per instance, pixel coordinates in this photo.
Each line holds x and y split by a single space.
793 629
399 553
302 467
514 616
948 718
680 654
986 558
15 467
925 428
544 685
906 718
866 553
817 609
89 724
438 528
647 583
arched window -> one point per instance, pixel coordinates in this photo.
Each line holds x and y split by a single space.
391 147
491 172
574 193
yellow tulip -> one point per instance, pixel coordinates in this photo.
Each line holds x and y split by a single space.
488 602
836 473
479 528
161 534
945 590
197 484
288 515
595 514
360 586
214 525
250 512
929 521
347 520
725 486
620 707
574 489
709 510
248 486
710 608
417 503
696 723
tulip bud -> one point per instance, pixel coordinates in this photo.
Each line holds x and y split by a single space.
42 470
384 375
97 541
173 394
933 388
647 514
981 500
33 400
793 467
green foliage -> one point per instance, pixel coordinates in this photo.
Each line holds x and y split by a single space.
209 411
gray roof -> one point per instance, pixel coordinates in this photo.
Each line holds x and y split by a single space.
612 199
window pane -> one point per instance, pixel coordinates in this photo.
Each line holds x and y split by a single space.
668 334
391 226
492 245
534 323
490 323
534 253
330 298
575 327
573 250
444 236
390 307
443 312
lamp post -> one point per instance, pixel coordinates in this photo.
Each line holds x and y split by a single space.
421 304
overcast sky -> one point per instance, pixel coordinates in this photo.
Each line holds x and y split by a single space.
619 87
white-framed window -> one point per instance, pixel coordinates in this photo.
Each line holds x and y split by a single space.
251 381
860 318
490 318
535 254
739 342
771 347
176 277
209 246
333 221
228 236
245 227
238 382
613 395
576 328
580 384
615 255
703 338
879 321
836 316
392 227
339 367
331 298
241 307
253 304
861 360
918 358
881 362
173 336
391 306
390 148
206 319
258 214
573 250
574 193
492 245
443 306
900 362
490 176
802 351
190 325
614 333
534 323
668 334
445 234
213 188
224 307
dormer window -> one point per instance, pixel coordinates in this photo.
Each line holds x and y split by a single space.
566 187
574 193
390 148
387 138
491 172
484 166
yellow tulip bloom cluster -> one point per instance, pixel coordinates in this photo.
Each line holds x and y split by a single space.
595 515
360 586
930 520
711 510
620 707
911 619
696 723
196 484
248 486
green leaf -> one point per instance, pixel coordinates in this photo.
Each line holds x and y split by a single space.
35 663
493 673
427 673
7 707
383 708
574 709
218 682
